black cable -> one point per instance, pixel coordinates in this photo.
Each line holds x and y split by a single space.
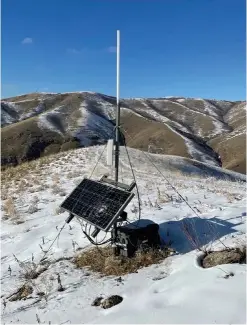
93 242
99 250
88 236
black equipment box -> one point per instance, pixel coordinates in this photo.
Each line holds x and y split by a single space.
129 240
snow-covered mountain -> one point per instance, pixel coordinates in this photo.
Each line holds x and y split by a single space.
176 291
42 123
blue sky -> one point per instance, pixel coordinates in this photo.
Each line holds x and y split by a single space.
193 48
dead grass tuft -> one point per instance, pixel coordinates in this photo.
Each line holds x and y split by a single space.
22 293
103 261
30 270
9 208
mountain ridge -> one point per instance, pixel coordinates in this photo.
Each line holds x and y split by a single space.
201 129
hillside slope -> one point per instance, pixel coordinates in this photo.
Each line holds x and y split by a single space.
38 124
175 291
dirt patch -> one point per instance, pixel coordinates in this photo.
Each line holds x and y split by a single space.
103 261
227 256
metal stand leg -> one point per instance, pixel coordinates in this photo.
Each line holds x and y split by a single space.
116 250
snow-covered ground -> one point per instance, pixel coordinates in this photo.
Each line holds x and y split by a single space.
175 291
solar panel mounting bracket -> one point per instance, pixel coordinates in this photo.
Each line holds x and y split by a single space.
125 187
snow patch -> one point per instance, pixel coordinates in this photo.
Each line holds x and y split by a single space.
168 291
91 125
44 122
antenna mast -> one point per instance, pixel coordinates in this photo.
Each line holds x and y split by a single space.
117 110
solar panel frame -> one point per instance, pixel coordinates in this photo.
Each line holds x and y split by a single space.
105 228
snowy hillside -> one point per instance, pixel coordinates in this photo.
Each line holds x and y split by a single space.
188 127
175 291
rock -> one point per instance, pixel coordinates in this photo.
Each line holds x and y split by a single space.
223 257
97 301
111 301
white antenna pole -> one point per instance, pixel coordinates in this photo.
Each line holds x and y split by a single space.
117 109
118 64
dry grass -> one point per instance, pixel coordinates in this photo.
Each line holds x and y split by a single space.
4 194
103 261
74 174
55 179
142 132
58 190
9 208
22 293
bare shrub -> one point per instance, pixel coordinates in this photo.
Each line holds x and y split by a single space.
103 261
30 270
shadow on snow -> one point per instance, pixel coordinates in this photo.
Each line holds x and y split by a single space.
182 232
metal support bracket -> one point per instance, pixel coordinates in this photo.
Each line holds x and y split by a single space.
125 187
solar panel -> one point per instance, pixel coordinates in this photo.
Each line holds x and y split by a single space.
97 203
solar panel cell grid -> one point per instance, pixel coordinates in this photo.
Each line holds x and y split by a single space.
97 203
